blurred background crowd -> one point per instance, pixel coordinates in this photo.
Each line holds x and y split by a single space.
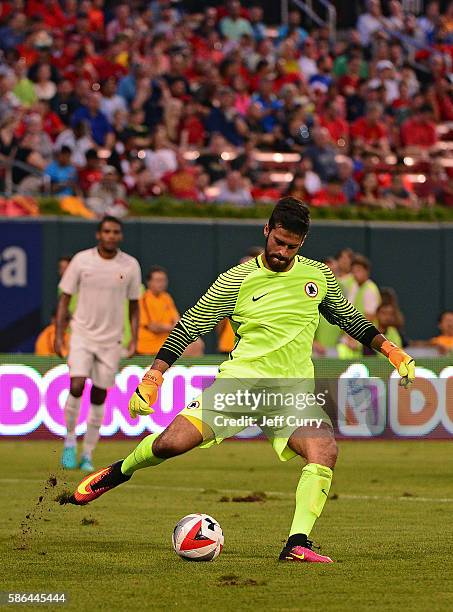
101 101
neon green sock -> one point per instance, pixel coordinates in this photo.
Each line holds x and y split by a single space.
141 457
311 494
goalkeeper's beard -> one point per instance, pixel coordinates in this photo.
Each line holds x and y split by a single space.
277 263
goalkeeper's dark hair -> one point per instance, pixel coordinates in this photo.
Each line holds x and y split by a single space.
109 219
291 214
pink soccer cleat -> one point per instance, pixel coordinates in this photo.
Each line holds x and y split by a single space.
299 549
96 484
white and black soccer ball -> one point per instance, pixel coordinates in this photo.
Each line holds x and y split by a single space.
198 537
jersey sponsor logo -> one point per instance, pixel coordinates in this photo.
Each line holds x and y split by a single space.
311 289
255 299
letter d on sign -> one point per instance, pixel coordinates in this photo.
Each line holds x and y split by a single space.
19 400
416 411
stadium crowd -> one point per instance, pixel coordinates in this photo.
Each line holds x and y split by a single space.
100 101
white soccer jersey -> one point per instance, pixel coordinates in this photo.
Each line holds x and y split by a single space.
102 286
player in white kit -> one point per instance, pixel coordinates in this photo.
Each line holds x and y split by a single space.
103 279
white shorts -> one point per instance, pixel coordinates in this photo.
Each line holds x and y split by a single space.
88 360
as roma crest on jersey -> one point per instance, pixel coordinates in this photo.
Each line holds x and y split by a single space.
311 289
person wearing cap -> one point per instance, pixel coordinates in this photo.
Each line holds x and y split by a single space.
386 77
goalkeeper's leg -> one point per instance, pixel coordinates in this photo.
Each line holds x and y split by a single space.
183 434
320 451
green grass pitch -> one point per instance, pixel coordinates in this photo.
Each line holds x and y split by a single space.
388 526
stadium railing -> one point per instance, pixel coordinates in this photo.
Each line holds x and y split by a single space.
6 168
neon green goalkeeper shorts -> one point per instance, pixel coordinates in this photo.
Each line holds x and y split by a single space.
280 407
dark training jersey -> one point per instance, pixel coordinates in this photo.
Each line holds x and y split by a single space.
274 316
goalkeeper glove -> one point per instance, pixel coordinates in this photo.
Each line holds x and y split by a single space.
145 394
404 363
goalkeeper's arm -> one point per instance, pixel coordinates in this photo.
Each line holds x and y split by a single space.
339 311
216 304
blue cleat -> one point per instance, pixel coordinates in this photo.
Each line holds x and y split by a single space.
85 464
69 458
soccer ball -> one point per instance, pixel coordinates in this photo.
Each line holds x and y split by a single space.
198 537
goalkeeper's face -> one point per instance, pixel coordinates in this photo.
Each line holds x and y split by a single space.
281 248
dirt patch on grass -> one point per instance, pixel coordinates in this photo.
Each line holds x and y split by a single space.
256 496
86 521
234 580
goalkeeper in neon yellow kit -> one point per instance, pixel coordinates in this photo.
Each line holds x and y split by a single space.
273 303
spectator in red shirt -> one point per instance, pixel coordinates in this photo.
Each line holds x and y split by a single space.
370 193
48 10
51 122
80 69
437 188
439 96
265 191
331 195
349 82
192 128
95 16
106 65
182 182
91 173
370 133
419 131
337 127
370 165
401 107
